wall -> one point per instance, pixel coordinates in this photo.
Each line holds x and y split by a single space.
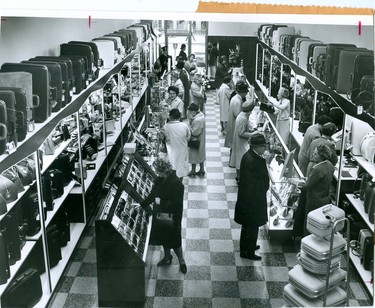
22 37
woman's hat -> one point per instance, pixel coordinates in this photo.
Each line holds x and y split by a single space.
248 106
193 107
183 46
241 86
257 140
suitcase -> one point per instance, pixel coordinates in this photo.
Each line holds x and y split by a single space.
313 285
65 165
120 46
318 247
53 241
261 31
132 37
332 60
30 212
276 36
95 53
368 253
55 82
317 67
296 45
47 192
293 297
369 196
24 81
9 98
363 66
313 50
139 34
21 111
3 127
345 69
24 291
116 42
40 86
57 179
317 266
79 72
320 221
4 257
10 223
123 37
303 52
106 53
62 221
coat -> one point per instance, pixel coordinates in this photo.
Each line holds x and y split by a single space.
234 110
170 190
184 76
197 95
177 103
221 72
198 130
311 133
223 100
177 135
251 205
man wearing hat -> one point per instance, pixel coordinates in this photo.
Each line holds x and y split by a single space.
182 56
241 136
164 58
251 205
234 110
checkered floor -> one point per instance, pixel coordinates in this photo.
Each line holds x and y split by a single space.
217 276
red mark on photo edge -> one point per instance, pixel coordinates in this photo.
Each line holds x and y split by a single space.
359 28
89 21
3 19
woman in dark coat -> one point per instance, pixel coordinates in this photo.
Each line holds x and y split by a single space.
251 206
167 195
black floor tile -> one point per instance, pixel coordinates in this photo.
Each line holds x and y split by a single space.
196 272
87 270
250 273
255 303
195 302
80 300
220 234
275 289
169 288
222 258
225 289
273 259
65 284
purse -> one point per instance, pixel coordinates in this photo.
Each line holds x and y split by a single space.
267 108
193 143
164 221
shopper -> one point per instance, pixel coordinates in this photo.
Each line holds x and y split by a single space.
241 135
222 70
318 182
212 60
282 109
198 131
182 56
173 100
197 92
177 134
191 66
251 205
167 195
185 79
312 132
176 81
164 59
223 100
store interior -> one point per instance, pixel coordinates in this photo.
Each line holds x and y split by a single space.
103 259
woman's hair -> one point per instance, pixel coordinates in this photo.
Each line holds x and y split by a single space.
324 151
284 92
173 89
162 165
174 114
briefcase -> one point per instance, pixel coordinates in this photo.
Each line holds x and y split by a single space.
318 247
317 266
295 298
25 290
9 98
40 86
320 221
106 52
313 285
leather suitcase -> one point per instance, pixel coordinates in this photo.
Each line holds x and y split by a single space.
116 42
57 179
10 223
55 81
85 51
4 257
9 98
123 37
318 247
120 46
24 291
293 297
369 196
47 192
313 285
297 46
320 221
303 52
289 45
106 52
368 253
132 35
40 86
316 66
317 266
313 49
30 212
21 111
345 69
277 34
95 53
331 60
261 30
54 249
363 66
79 72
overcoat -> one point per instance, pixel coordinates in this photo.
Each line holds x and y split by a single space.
223 96
234 110
198 131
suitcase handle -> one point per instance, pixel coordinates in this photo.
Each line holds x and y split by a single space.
5 131
36 101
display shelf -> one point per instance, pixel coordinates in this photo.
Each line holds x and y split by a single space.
365 275
49 159
296 134
347 174
358 205
26 249
370 168
76 230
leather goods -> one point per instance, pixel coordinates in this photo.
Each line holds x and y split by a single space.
294 298
8 189
95 53
89 147
363 66
313 285
371 211
22 80
115 40
24 291
12 174
21 111
314 50
288 47
132 37
368 253
369 197
140 34
106 52
365 178
318 267
303 52
9 98
47 192
79 72
320 221
10 223
318 247
61 220
57 180
26 171
53 241
40 86
3 126
193 143
65 164
277 34
332 58
4 257
30 212
297 43
121 42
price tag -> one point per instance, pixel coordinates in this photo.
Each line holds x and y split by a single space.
11 147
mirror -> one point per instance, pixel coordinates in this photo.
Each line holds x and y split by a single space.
275 76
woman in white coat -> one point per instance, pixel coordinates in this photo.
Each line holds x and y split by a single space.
282 107
223 96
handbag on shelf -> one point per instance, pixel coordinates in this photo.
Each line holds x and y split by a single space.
193 143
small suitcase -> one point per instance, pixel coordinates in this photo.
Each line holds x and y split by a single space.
10 223
62 221
123 37
106 52
79 72
303 52
293 297
120 47
318 51
9 98
297 43
368 254
132 37
313 285
95 53
317 266
318 247
24 291
321 220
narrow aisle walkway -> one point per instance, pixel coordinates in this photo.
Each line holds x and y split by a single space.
217 276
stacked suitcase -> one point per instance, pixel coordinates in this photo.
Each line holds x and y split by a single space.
316 281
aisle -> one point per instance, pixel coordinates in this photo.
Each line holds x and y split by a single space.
217 276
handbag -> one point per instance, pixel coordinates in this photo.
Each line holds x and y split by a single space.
267 107
193 143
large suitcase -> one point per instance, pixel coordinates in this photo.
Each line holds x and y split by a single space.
316 66
24 291
335 298
313 49
318 266
95 53
106 52
277 34
295 49
140 34
80 81
363 66
318 247
9 98
123 37
40 86
320 221
303 52
21 111
313 285
120 46
132 35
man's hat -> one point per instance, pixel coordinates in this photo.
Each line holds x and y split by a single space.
257 140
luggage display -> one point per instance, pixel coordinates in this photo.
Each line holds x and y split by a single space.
314 50
335 298
303 52
297 43
139 34
317 266
10 223
313 285
95 53
4 257
79 72
132 35
363 66
320 221
3 127
123 37
277 34
120 46
106 52
24 291
30 213
9 98
318 247
40 86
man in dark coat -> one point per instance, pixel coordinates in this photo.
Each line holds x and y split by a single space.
185 79
251 206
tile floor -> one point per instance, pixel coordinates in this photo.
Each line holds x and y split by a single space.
217 276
